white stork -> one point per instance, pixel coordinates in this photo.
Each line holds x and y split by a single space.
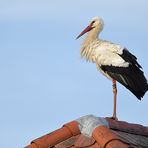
113 60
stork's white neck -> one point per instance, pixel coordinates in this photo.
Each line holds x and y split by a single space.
90 43
91 36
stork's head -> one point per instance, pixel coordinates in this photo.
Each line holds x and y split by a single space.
96 24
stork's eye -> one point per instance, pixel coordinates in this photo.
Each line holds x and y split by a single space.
93 22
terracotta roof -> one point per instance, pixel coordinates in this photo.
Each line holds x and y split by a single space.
95 132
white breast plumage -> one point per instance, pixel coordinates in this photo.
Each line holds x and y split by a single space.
104 53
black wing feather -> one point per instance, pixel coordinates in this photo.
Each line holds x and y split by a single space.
130 58
131 77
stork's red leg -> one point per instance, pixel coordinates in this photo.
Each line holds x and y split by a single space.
115 99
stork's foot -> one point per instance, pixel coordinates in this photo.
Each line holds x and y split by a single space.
114 118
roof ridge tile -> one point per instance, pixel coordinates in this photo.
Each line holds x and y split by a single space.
68 130
108 139
73 127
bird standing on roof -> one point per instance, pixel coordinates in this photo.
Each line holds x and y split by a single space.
114 61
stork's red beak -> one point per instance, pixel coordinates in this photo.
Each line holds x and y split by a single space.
88 28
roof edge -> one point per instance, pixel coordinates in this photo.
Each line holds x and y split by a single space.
68 130
128 127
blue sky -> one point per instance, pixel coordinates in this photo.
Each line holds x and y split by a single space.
43 81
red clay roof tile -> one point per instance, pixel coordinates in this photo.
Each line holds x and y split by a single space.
67 143
84 141
73 127
107 139
32 145
119 134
